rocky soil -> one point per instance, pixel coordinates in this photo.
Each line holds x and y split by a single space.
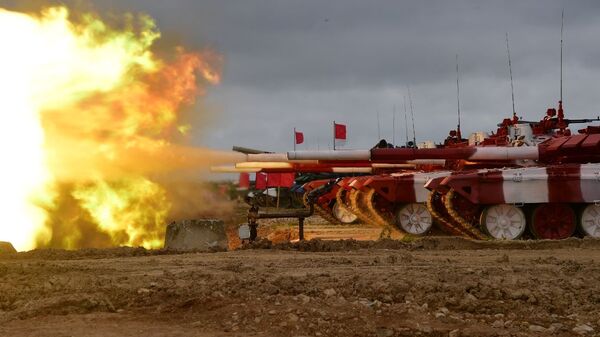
430 287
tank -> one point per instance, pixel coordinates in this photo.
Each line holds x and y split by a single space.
546 202
534 179
527 178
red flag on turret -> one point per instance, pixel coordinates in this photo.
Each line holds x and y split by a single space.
299 137
339 134
340 131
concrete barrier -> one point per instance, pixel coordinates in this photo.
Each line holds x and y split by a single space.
6 247
202 234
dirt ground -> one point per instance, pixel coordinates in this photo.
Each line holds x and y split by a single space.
438 286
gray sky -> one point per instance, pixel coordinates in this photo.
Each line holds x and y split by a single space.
306 63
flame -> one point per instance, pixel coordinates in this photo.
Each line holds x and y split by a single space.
121 209
85 109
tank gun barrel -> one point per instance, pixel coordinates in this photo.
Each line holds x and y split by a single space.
302 169
471 153
247 150
395 155
321 166
582 120
330 155
267 157
232 169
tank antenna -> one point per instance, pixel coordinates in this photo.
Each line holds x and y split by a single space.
512 88
561 114
378 126
405 122
458 134
562 24
394 125
412 116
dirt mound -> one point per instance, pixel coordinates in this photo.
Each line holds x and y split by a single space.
6 248
196 234
312 288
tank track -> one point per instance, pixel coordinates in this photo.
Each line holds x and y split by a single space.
466 225
356 200
388 228
366 212
323 213
388 223
448 224
377 215
362 205
341 201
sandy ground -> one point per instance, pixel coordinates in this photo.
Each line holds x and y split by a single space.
432 287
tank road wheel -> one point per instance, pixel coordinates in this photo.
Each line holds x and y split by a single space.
553 221
343 214
414 219
503 222
590 221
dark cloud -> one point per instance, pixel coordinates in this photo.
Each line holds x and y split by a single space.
305 63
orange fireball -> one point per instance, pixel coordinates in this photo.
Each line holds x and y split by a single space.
80 102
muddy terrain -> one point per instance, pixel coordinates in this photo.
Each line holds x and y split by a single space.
432 287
